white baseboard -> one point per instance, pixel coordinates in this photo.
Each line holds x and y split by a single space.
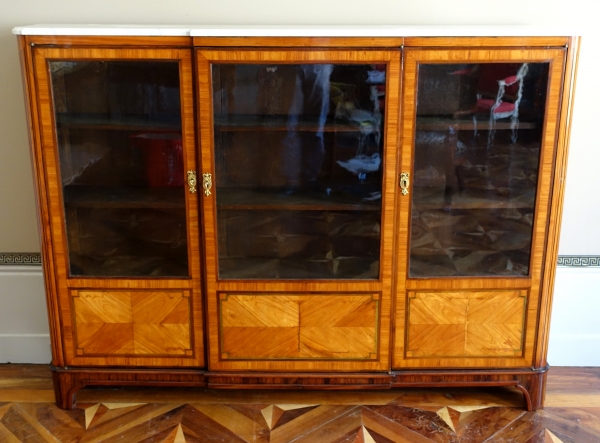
574 334
24 334
25 348
575 329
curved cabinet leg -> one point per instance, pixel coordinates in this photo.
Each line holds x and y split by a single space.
534 388
66 386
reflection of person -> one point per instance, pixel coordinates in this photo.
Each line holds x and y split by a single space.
304 150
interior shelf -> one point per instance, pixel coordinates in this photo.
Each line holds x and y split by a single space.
119 123
123 197
240 122
433 198
483 123
244 199
129 266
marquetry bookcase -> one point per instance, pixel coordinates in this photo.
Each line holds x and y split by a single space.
252 209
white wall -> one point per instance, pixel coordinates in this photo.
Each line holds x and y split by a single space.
18 231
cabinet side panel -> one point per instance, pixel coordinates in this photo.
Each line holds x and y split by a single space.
42 204
557 198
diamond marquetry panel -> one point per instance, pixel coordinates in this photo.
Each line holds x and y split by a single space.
266 312
334 342
132 322
466 324
251 342
283 327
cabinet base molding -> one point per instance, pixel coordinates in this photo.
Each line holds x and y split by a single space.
67 381
531 382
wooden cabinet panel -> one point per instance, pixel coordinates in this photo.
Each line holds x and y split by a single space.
137 323
290 327
466 324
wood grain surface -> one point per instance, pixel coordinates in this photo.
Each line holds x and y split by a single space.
319 327
448 415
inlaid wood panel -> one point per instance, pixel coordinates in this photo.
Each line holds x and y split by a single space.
466 324
132 322
267 326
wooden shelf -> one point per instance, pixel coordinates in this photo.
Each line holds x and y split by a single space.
361 268
435 200
244 199
240 123
128 266
483 124
110 122
123 197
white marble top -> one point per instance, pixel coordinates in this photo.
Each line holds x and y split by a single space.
297 31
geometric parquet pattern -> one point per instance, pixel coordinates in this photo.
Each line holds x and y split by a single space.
415 416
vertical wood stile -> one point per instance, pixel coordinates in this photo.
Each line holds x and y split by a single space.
557 199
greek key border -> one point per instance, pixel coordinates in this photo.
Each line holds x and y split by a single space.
20 258
578 261
35 258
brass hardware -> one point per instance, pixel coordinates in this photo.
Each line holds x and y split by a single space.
404 182
192 181
206 183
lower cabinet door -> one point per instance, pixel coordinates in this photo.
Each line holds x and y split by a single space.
464 328
150 327
466 324
299 331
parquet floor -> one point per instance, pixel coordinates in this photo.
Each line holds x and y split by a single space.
28 414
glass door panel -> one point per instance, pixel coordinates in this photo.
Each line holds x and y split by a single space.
118 126
478 138
298 165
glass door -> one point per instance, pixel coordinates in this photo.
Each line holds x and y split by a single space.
298 152
478 149
118 140
120 150
298 156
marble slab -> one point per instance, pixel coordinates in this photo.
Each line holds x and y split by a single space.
295 31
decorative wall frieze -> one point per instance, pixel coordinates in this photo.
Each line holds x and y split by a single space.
34 258
578 261
20 258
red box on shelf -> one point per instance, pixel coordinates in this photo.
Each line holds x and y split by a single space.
163 158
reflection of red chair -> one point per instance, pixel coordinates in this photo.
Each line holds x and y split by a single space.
499 108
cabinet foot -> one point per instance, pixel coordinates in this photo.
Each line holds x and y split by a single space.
531 382
67 381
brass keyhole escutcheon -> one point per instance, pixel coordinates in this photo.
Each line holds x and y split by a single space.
192 181
206 183
404 182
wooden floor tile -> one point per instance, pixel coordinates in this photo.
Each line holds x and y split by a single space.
136 415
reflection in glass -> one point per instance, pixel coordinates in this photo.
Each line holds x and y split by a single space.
121 167
476 157
298 156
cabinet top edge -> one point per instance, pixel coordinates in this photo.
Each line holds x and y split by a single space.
298 31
